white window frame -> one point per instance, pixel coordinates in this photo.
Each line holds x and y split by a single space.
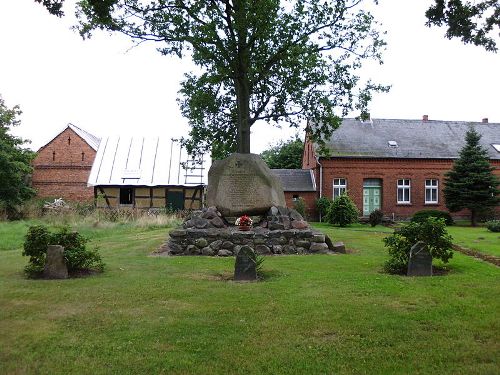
404 185
339 185
430 187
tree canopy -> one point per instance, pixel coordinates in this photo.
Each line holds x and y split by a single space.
472 22
265 60
53 6
14 162
471 183
475 22
285 154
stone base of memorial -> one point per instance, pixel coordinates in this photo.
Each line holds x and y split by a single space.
243 184
280 231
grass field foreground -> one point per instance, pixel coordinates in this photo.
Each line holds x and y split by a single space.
317 314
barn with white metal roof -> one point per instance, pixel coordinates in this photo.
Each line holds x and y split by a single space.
147 172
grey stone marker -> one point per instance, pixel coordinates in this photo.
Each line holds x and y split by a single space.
339 247
245 267
55 266
420 263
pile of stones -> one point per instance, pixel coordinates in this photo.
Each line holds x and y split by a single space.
283 218
281 231
205 219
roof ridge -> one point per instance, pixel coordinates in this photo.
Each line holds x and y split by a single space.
415 138
92 140
421 120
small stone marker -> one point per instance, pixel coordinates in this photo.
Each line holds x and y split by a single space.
420 263
55 266
339 247
245 267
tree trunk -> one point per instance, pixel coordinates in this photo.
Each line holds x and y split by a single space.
243 105
241 82
473 218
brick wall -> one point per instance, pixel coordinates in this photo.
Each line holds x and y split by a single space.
308 156
310 199
61 170
355 170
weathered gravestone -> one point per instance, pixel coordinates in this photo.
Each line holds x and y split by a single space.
242 184
245 268
55 266
420 263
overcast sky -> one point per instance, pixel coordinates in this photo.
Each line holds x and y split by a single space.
104 87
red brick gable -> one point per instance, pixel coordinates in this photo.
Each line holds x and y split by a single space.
62 167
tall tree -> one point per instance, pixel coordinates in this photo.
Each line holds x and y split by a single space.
471 183
14 162
475 22
285 154
267 60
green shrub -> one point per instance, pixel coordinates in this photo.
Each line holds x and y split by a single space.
300 206
376 217
493 225
432 231
35 246
322 204
75 253
422 215
342 211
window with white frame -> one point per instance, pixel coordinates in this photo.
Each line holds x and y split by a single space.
404 193
431 191
339 187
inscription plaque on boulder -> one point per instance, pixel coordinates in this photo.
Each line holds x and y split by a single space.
245 266
420 263
55 265
243 184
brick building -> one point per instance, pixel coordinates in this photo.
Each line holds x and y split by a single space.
397 166
298 183
62 167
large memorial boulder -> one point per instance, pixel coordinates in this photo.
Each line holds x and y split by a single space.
243 184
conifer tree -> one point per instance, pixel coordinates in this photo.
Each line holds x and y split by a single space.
471 183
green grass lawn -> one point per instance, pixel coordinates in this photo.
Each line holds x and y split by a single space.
321 314
478 238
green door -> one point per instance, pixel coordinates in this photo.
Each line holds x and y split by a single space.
175 200
371 199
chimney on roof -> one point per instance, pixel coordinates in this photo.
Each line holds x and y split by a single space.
484 120
425 118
